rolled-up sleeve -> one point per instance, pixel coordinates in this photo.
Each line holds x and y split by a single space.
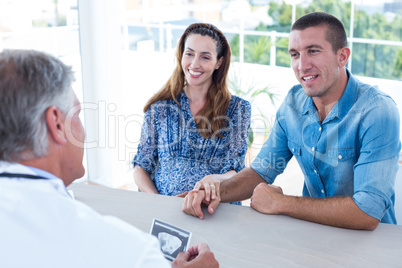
376 168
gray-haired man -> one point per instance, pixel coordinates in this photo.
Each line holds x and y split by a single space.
41 152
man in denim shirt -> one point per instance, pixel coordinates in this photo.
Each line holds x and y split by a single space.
343 133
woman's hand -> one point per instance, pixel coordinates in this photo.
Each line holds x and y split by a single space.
210 184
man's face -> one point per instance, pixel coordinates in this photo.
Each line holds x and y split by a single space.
314 63
74 153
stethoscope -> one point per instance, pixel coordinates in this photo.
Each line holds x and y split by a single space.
25 176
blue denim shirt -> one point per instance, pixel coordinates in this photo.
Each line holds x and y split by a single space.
353 152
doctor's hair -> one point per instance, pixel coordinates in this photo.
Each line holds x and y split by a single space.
30 82
336 34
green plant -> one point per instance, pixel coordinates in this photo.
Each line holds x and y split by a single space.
258 50
250 92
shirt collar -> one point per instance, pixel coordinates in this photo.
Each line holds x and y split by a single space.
42 173
349 96
343 105
14 167
309 106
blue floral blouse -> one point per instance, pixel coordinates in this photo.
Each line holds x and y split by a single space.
175 154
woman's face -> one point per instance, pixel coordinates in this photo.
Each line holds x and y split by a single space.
199 60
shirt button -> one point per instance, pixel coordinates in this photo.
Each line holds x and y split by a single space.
312 149
340 156
315 171
293 149
322 191
320 129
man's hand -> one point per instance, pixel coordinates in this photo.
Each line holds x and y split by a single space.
183 194
199 256
193 201
266 198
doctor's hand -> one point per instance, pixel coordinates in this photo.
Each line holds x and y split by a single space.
199 256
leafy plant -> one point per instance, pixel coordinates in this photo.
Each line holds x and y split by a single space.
258 50
251 92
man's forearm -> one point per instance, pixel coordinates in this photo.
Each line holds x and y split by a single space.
240 186
335 211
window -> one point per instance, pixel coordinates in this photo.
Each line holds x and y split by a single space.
46 25
125 51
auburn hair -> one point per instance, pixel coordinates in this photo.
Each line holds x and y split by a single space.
218 96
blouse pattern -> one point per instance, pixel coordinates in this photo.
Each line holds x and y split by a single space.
175 154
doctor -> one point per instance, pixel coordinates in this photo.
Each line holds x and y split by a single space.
41 152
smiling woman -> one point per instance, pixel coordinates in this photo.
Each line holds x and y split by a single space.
194 129
199 62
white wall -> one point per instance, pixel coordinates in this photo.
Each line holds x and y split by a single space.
101 72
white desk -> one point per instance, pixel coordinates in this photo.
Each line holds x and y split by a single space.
241 237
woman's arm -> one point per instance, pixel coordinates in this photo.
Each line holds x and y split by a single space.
147 156
143 181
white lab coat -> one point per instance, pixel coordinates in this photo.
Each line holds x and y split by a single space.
42 226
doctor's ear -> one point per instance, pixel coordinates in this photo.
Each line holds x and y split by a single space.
55 123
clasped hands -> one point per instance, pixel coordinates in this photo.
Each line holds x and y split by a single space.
206 192
266 198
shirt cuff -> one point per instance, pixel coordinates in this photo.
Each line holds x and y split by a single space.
370 204
146 164
264 169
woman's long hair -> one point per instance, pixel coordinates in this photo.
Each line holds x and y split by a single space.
218 96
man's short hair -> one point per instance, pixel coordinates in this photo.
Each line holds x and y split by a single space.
30 82
336 34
